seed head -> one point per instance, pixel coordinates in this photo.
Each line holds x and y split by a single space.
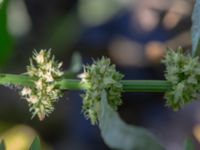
182 71
45 71
101 75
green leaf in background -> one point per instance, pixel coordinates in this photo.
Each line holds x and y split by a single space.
2 145
36 144
5 38
64 33
76 62
196 29
75 66
102 10
118 135
189 144
1 1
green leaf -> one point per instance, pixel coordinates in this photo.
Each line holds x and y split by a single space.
36 144
196 29
64 33
118 135
2 145
189 144
76 63
1 1
5 38
102 10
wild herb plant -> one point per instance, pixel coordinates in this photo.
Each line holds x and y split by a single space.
44 83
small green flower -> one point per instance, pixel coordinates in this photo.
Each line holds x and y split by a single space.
183 72
46 71
101 75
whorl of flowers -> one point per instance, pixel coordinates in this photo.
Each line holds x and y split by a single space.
101 75
183 72
45 71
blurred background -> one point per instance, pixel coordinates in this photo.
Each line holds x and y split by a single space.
133 33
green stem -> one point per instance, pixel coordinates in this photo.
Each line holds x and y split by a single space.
146 85
11 79
72 84
128 85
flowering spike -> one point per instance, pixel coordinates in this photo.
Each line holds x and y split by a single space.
183 72
101 75
44 94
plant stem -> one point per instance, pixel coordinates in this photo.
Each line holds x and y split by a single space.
72 84
146 85
128 85
12 79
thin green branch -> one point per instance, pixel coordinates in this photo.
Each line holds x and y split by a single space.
146 85
128 85
12 79
72 84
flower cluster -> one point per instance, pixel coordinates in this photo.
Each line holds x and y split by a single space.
183 72
45 71
101 75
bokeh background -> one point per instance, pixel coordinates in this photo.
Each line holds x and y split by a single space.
133 33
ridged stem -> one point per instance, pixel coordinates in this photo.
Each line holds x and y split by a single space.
72 84
128 85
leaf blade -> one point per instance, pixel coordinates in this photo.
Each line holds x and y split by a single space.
36 144
6 42
189 145
76 62
2 145
118 135
196 29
